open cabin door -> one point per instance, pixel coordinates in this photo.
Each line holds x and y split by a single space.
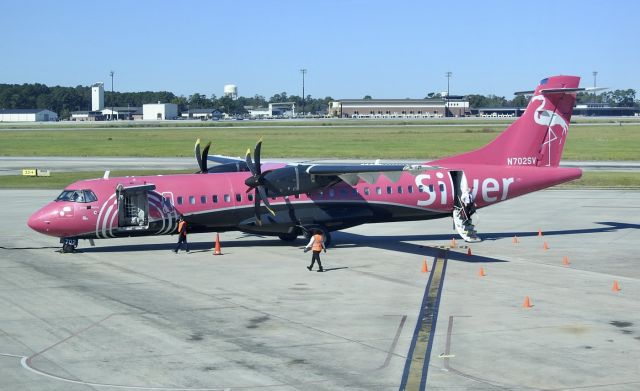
133 206
459 181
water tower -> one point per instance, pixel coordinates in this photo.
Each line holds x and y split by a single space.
231 90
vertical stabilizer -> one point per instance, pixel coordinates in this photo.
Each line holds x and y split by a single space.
535 139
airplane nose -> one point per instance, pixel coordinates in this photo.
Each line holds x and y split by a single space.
39 222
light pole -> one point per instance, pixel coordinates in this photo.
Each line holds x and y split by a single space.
304 72
595 75
446 108
112 97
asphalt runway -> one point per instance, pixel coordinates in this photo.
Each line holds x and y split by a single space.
130 315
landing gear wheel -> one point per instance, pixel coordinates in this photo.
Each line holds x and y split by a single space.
288 237
69 245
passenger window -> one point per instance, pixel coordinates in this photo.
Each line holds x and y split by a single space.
332 193
430 188
366 191
378 191
410 189
227 198
389 190
238 197
343 192
203 199
250 196
441 186
192 200
179 200
214 199
399 189
420 189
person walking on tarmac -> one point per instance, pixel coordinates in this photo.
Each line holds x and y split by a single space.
182 235
316 244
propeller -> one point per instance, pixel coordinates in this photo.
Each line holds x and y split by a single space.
202 158
257 181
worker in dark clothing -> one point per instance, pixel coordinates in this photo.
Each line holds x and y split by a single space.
316 244
182 235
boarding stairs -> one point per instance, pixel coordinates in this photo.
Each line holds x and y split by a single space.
464 225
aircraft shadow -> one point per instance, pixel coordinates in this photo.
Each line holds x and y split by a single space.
349 240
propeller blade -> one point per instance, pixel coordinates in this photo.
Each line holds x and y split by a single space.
256 208
265 201
196 150
247 159
257 156
205 155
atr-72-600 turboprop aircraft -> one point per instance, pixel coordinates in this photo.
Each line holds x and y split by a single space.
288 200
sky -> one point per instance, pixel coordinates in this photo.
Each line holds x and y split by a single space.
385 49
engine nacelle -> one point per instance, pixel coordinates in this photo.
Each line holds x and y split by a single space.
294 180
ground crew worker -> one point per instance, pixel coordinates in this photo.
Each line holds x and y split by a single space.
182 235
316 244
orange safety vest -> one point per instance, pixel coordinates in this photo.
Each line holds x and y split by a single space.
181 226
317 242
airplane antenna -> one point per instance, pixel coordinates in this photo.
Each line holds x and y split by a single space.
106 174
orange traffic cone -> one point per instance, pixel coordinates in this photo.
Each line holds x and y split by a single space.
425 267
545 246
453 242
539 232
216 250
515 239
565 261
616 287
527 302
481 273
469 251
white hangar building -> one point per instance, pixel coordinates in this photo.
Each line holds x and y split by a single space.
27 115
159 111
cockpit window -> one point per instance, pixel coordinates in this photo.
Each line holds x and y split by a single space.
77 196
89 196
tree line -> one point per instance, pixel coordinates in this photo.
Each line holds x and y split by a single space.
64 100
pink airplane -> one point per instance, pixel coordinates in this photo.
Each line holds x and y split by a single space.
288 200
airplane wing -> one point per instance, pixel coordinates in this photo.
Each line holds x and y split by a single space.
221 159
352 173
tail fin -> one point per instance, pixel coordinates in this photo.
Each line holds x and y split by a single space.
535 139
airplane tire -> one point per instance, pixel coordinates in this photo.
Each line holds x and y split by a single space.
67 248
288 237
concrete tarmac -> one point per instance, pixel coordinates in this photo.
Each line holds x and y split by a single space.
129 314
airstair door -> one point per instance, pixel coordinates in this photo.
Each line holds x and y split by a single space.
462 223
133 206
459 181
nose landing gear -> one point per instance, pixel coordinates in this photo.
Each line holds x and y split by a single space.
69 245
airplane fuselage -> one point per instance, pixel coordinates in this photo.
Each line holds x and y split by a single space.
150 205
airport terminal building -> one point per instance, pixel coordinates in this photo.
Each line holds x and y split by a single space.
399 108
